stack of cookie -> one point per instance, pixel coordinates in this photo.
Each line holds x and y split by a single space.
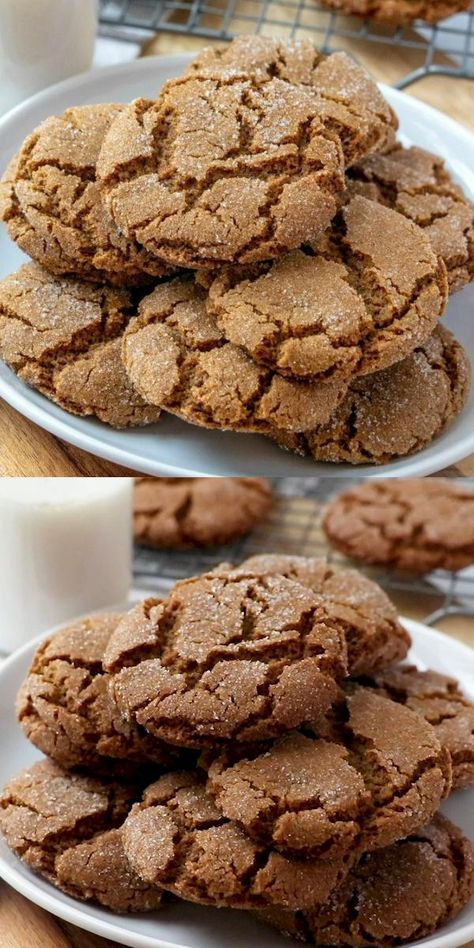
251 741
252 251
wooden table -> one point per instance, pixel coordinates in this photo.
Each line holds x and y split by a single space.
27 451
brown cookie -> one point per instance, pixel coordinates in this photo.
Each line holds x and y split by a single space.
440 701
392 413
62 337
400 11
61 826
402 893
51 203
177 358
363 298
178 839
65 706
380 775
227 658
416 183
414 524
375 638
185 512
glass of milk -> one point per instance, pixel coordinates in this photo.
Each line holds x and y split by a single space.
65 550
41 42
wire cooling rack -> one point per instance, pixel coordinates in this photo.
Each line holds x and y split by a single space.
294 528
447 48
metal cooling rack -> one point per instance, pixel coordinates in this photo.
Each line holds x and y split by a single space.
447 48
295 528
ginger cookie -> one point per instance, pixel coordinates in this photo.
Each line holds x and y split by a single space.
50 201
440 701
400 11
177 838
184 512
375 638
392 413
416 183
65 707
176 358
227 658
381 774
399 894
363 299
61 336
415 525
61 826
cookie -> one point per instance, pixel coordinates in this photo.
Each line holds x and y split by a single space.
399 894
375 638
184 512
62 337
50 201
65 708
176 358
415 525
400 11
362 299
227 659
416 183
57 823
349 101
177 838
392 413
380 775
440 701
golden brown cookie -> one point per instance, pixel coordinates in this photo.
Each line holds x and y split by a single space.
51 203
185 512
414 524
416 183
61 826
177 358
402 893
392 413
378 776
400 11
440 701
65 707
363 298
178 839
61 336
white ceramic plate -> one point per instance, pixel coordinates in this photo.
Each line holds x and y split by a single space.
190 926
173 447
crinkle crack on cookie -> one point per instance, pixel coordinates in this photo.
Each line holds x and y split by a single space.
178 839
400 11
395 412
50 201
177 359
379 774
227 659
364 298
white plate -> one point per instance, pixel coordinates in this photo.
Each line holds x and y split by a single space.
190 926
173 447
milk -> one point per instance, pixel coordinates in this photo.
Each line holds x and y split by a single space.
65 549
41 42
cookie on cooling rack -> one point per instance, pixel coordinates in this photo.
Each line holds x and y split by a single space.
400 11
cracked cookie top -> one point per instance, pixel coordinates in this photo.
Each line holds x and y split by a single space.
178 839
395 412
363 298
227 658
51 203
61 336
177 358
416 525
65 707
379 774
416 183
185 512
400 11
398 894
